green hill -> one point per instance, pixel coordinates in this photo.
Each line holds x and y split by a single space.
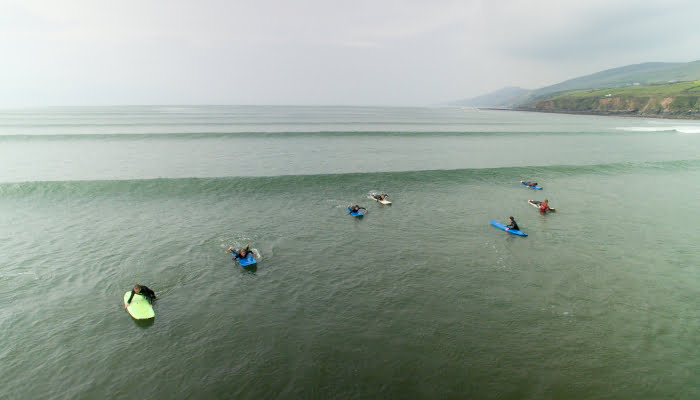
671 100
638 74
643 74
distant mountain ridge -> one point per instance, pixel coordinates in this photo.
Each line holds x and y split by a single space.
630 75
508 97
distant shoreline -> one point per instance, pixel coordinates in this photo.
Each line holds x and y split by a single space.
628 114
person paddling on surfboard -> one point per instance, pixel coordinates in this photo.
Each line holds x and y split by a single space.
240 254
380 196
513 225
143 290
531 184
356 208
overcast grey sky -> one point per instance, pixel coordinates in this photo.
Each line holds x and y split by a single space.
359 52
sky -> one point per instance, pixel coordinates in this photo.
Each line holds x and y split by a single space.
322 52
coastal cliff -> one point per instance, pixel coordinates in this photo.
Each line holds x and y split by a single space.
672 100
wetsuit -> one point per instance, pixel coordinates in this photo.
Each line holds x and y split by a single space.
149 294
544 207
513 225
237 254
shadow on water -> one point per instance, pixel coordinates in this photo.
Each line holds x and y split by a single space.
250 269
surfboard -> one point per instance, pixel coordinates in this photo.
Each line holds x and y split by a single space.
531 187
356 213
139 308
536 204
385 202
249 259
505 228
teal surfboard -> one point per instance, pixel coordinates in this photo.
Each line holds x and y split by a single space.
139 307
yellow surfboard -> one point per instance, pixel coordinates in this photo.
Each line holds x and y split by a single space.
139 307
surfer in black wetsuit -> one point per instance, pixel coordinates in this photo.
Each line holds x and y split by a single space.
380 196
513 224
143 290
356 208
240 254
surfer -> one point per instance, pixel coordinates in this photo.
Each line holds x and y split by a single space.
380 196
513 225
356 208
531 184
544 206
143 290
240 254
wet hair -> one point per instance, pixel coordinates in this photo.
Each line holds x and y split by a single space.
137 288
546 201
511 218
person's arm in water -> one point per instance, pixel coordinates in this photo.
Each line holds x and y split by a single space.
129 301
234 252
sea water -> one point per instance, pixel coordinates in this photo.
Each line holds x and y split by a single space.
420 299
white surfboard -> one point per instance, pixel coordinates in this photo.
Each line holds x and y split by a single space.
385 202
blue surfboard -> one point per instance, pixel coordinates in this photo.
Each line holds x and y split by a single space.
505 228
247 260
355 213
531 187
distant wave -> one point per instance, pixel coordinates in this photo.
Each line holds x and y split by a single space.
281 134
164 188
679 129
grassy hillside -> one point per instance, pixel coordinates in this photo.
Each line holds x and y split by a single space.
672 100
644 74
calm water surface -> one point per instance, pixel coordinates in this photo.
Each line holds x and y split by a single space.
420 299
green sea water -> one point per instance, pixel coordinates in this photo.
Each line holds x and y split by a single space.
422 299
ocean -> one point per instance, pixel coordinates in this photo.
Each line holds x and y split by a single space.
422 299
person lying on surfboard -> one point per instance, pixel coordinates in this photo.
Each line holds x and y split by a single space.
512 225
531 184
143 290
356 208
240 254
380 196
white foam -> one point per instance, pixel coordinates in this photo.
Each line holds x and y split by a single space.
679 129
647 129
688 129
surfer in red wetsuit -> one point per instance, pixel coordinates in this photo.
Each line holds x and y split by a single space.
544 206
143 290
